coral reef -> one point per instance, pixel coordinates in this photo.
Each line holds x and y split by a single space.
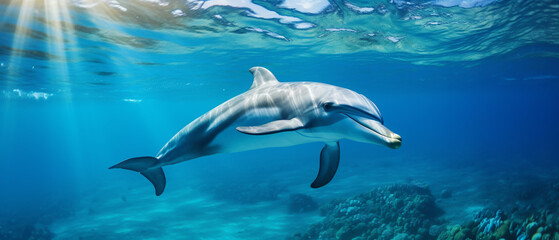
489 224
299 203
542 225
389 212
409 212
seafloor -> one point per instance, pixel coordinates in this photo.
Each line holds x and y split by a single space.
401 199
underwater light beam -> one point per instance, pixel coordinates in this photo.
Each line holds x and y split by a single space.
59 22
21 32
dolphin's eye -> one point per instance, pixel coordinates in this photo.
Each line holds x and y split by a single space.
328 106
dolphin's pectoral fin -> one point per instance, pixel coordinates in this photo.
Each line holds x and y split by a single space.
144 166
329 160
272 127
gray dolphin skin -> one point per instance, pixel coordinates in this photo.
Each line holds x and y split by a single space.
274 114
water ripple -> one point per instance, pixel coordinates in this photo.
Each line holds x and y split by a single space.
420 31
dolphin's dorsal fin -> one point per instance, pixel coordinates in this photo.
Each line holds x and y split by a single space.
262 76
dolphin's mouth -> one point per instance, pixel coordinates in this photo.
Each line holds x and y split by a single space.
346 109
390 138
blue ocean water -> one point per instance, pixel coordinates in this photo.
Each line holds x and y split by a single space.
471 86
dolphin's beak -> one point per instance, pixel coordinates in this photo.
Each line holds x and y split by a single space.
396 141
372 123
386 137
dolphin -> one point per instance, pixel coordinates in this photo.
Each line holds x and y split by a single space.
274 114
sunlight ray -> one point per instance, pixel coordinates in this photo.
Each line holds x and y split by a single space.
61 28
58 21
14 62
24 18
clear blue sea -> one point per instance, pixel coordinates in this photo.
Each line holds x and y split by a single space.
472 87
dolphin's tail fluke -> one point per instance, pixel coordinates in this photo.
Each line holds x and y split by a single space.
144 165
